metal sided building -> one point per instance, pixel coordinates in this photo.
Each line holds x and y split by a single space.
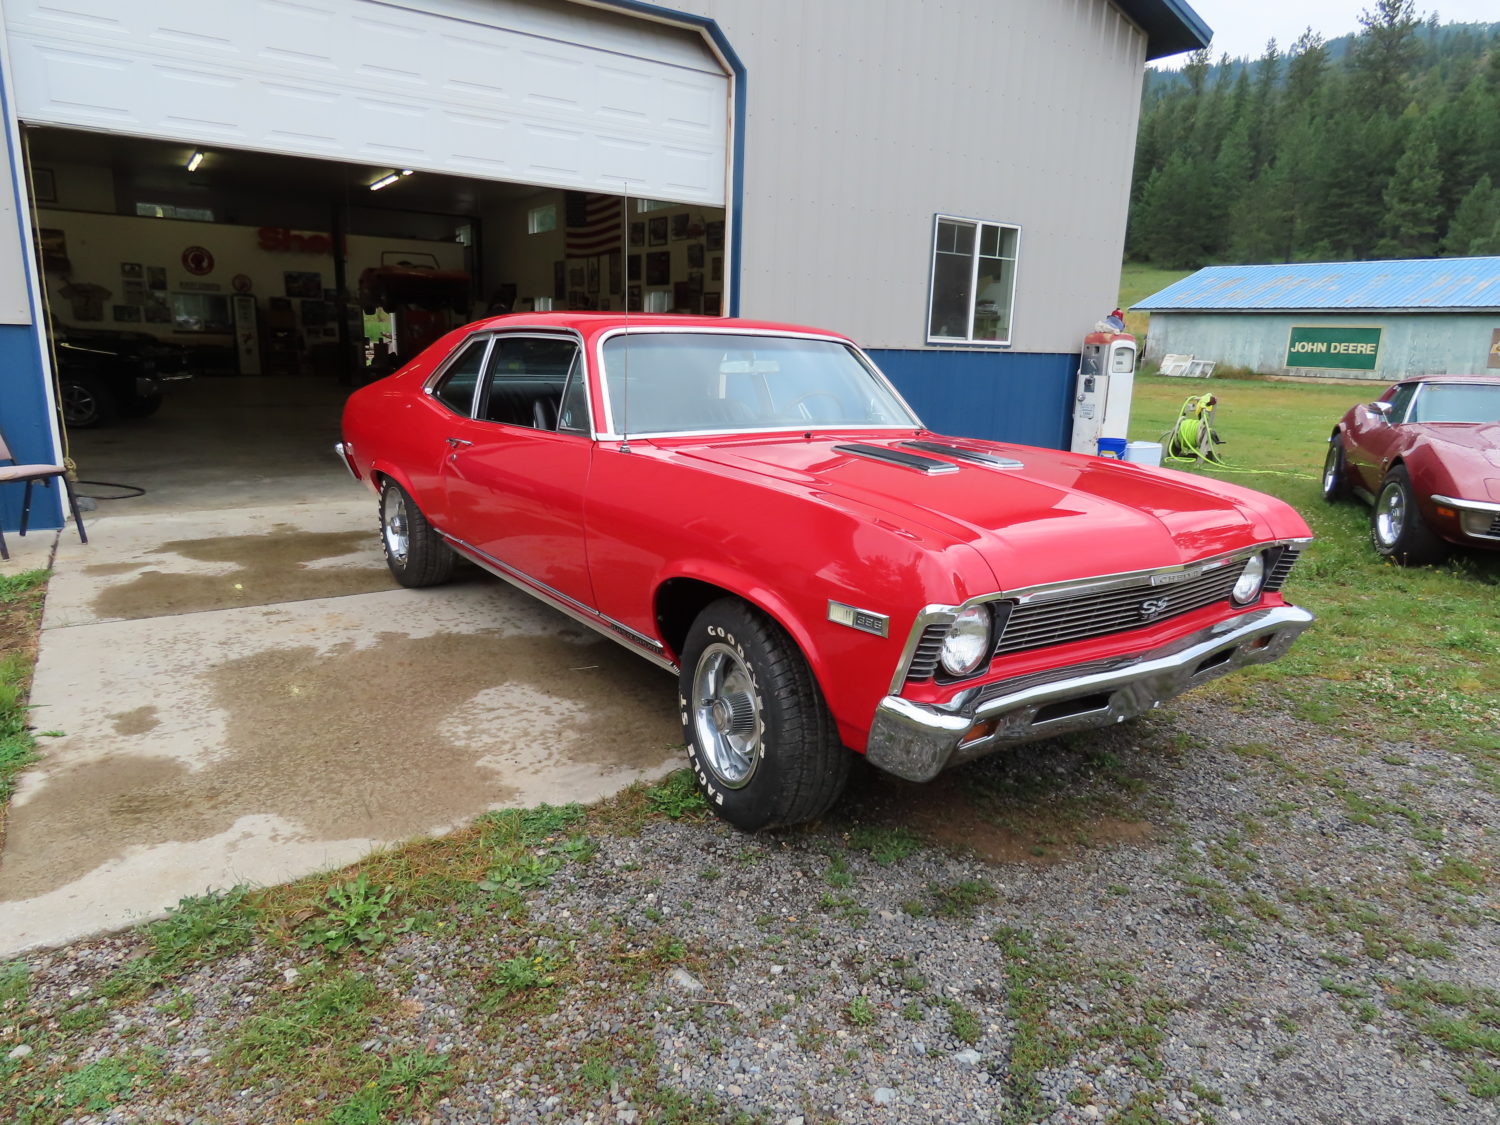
1379 321
946 184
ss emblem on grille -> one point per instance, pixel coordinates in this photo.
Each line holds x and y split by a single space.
1154 607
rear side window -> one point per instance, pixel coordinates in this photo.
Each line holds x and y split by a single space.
456 388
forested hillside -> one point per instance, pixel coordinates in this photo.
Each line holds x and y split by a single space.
1383 145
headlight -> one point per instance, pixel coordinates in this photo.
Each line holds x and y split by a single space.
967 642
1247 589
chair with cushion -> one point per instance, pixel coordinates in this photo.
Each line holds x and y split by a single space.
12 472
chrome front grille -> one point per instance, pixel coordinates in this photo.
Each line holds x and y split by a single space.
1060 620
924 660
1494 527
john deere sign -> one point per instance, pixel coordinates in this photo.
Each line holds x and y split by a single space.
1342 349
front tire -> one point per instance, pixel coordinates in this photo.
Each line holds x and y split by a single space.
1335 472
1396 526
415 552
86 403
761 742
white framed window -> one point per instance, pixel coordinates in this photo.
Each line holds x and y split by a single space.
973 281
539 220
658 300
644 205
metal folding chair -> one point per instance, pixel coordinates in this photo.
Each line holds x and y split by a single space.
30 474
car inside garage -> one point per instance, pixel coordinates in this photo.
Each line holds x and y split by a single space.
246 223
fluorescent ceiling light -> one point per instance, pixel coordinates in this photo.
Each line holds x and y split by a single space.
194 161
385 181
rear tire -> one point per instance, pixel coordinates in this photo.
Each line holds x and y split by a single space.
1396 526
1335 472
415 552
762 744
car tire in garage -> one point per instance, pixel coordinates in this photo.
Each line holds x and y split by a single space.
86 403
762 744
1396 526
1335 471
415 552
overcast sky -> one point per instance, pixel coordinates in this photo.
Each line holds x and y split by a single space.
1241 27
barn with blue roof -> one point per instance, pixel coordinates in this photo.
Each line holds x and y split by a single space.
1358 320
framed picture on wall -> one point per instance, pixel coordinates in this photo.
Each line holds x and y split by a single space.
680 226
129 314
634 298
634 270
638 233
714 233
302 283
713 304
593 286
659 267
43 185
658 227
695 255
616 272
716 270
131 270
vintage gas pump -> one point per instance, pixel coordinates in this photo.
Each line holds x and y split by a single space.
1101 401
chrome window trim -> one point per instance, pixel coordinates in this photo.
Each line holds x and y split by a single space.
1059 591
489 336
609 433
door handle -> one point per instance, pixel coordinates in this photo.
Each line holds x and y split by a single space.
457 442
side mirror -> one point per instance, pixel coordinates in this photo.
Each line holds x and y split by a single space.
1381 408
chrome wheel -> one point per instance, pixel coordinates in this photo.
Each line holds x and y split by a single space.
1390 515
393 523
1331 471
726 715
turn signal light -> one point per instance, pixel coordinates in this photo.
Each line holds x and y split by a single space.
979 732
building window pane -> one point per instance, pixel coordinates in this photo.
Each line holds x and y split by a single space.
541 219
973 281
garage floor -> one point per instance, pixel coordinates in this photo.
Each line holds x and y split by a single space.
242 694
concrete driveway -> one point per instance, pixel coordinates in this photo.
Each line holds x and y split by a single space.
245 696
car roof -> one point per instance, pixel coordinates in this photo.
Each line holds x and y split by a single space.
1481 379
592 324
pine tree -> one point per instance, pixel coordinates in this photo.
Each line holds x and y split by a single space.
1384 54
1306 67
1475 223
1413 206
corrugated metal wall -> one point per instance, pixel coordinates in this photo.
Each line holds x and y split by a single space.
1026 398
1418 343
867 116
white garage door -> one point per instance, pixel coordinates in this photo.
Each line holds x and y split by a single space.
534 91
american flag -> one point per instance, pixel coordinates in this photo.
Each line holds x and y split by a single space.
594 224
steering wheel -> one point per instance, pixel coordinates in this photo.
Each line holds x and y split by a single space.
797 402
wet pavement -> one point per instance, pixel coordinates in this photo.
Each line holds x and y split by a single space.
245 696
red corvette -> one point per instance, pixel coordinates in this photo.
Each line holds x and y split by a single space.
753 507
1426 454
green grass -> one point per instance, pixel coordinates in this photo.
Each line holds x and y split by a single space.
1400 653
20 611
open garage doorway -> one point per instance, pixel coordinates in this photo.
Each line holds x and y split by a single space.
210 308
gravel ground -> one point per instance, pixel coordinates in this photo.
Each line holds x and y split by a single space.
1219 915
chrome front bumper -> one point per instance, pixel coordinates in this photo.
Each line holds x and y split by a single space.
918 741
342 450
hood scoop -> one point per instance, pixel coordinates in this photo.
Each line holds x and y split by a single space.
928 465
978 456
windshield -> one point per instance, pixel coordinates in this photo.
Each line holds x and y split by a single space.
672 382
1456 402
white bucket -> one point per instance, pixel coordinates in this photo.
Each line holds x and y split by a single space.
1143 452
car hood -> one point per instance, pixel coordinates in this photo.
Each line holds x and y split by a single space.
1056 517
1473 442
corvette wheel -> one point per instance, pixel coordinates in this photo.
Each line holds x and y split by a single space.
1335 472
415 553
761 742
1397 528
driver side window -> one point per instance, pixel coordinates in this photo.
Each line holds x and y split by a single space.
1401 402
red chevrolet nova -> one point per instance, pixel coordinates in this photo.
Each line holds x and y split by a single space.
753 506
